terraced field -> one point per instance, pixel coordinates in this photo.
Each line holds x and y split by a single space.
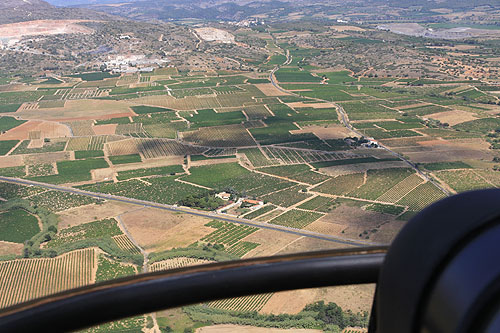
227 233
25 279
177 263
422 196
295 218
242 304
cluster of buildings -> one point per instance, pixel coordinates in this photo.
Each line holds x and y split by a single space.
133 63
251 204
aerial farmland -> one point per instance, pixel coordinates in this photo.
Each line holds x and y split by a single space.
101 171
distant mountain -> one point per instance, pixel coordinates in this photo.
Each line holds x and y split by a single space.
24 4
235 10
27 10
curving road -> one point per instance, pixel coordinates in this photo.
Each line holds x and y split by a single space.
190 211
345 121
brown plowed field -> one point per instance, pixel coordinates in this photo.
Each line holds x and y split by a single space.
47 129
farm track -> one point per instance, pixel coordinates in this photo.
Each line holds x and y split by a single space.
346 122
186 210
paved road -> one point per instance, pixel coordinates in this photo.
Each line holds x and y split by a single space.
345 121
186 210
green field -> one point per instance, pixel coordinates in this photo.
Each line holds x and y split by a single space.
341 185
59 201
227 233
220 176
74 171
17 226
296 218
6 146
94 76
259 212
83 154
108 269
158 171
93 230
124 159
7 123
6 108
437 166
286 74
320 204
380 181
299 172
287 197
17 172
48 147
162 189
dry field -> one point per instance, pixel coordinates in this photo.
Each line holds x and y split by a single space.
271 242
331 131
451 150
47 158
355 220
342 28
452 117
7 248
269 90
84 214
42 27
109 129
215 35
11 161
305 244
80 110
151 163
47 130
159 230
355 298
215 161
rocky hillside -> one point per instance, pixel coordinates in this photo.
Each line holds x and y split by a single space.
27 10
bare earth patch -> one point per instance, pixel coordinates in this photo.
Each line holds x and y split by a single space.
151 163
215 35
215 161
271 242
342 28
7 248
356 220
80 110
11 161
159 230
331 131
103 174
269 90
453 117
47 129
108 129
356 298
89 213
42 27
